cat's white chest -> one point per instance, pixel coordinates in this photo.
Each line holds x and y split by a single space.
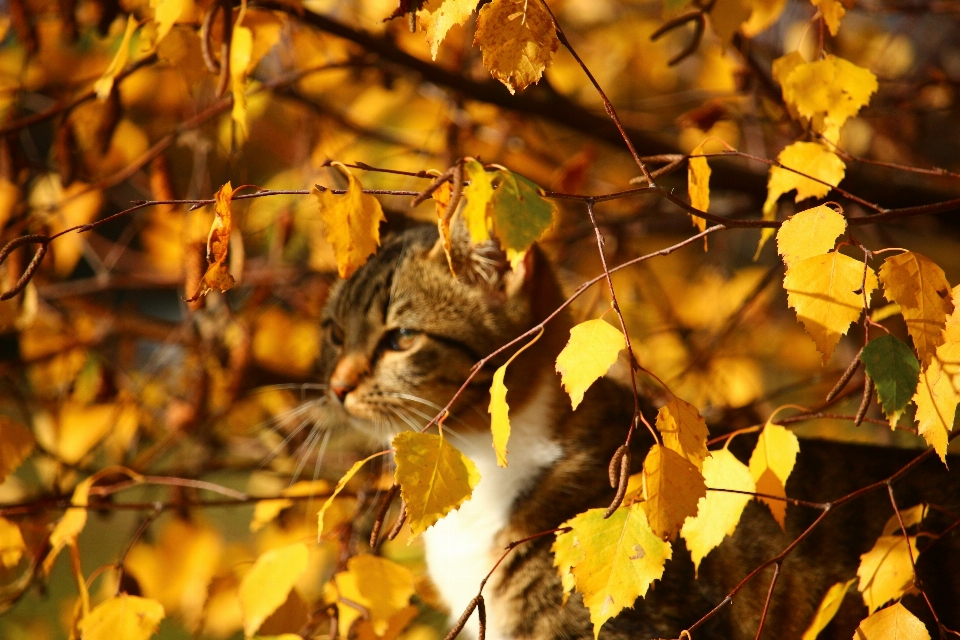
460 547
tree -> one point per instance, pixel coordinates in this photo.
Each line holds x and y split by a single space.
160 329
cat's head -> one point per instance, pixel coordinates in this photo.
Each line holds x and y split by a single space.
402 333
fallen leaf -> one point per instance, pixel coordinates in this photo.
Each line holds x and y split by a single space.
592 349
268 583
517 39
825 293
613 561
718 513
351 223
434 478
672 488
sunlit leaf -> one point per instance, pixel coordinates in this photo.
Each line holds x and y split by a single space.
104 85
12 545
885 571
477 195
123 617
380 586
241 53
499 415
826 293
517 39
614 561
269 581
672 488
919 286
895 372
166 13
828 609
832 12
520 214
267 510
718 513
771 464
698 185
324 527
829 91
911 517
809 233
893 623
351 223
592 349
684 430
437 17
936 400
434 477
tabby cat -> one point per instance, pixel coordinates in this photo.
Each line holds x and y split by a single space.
401 336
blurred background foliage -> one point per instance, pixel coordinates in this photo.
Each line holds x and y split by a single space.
103 362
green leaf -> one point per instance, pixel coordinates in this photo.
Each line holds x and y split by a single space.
520 213
894 369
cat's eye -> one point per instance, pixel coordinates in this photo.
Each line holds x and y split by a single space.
400 339
336 334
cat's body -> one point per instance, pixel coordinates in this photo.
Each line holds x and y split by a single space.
400 338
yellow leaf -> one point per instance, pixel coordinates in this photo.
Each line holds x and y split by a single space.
104 85
9 197
166 13
441 200
517 39
726 16
893 623
718 513
764 14
477 194
698 185
178 568
80 427
936 401
885 571
267 510
614 561
911 517
77 204
12 545
809 233
396 625
322 526
592 349
771 464
684 430
16 443
436 17
832 12
285 343
811 159
499 412
72 523
351 223
567 554
241 52
123 617
884 312
825 293
828 609
919 286
268 583
672 488
828 92
434 478
379 585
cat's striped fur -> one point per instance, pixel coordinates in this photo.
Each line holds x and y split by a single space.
401 336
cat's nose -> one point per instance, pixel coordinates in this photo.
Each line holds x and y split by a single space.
341 390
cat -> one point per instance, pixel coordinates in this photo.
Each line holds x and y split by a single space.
401 336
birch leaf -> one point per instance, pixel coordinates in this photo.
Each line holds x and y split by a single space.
351 223
434 478
885 571
123 617
12 545
936 401
698 185
824 291
809 233
166 13
672 488
104 85
352 471
829 92
268 583
517 39
614 561
919 286
381 586
832 12
718 513
499 415
810 159
895 370
911 518
684 430
772 463
893 623
477 195
437 17
592 349
520 214
828 609
72 523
